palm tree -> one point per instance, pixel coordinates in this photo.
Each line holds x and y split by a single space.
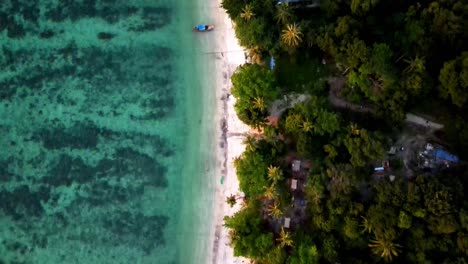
340 179
274 210
292 35
250 143
259 103
247 13
274 174
231 200
284 239
366 225
270 192
283 13
385 248
354 129
293 123
307 126
255 55
415 65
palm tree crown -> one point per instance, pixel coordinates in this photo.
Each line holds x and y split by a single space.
247 13
250 143
255 55
259 103
283 13
231 200
307 126
292 35
270 192
284 239
274 210
274 174
415 65
385 248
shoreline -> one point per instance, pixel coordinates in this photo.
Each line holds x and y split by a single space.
230 133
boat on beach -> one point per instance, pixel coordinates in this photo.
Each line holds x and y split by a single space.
203 28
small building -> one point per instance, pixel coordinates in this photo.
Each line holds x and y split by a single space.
296 165
293 184
287 222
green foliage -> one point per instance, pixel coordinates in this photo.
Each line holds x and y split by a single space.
404 220
453 79
341 180
351 228
324 122
463 217
231 200
356 54
392 62
444 224
384 248
254 33
315 190
251 170
233 7
446 18
247 235
330 249
363 147
362 7
305 253
276 255
250 82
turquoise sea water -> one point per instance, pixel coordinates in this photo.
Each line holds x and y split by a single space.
106 137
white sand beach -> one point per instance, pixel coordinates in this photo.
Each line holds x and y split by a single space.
231 133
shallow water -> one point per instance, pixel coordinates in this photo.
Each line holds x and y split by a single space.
105 150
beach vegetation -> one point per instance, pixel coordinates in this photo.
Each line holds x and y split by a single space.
231 200
270 192
284 239
339 178
274 174
255 55
291 35
274 210
247 13
283 13
253 83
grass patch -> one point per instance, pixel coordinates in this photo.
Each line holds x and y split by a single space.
300 75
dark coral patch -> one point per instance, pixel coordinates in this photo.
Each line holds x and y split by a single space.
23 202
4 20
69 170
145 232
79 136
141 166
46 34
5 175
105 36
74 10
15 29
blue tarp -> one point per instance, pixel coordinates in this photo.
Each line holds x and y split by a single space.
441 155
272 63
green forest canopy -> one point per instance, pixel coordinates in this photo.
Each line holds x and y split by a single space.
396 56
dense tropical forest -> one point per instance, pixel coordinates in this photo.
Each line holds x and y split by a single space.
365 131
